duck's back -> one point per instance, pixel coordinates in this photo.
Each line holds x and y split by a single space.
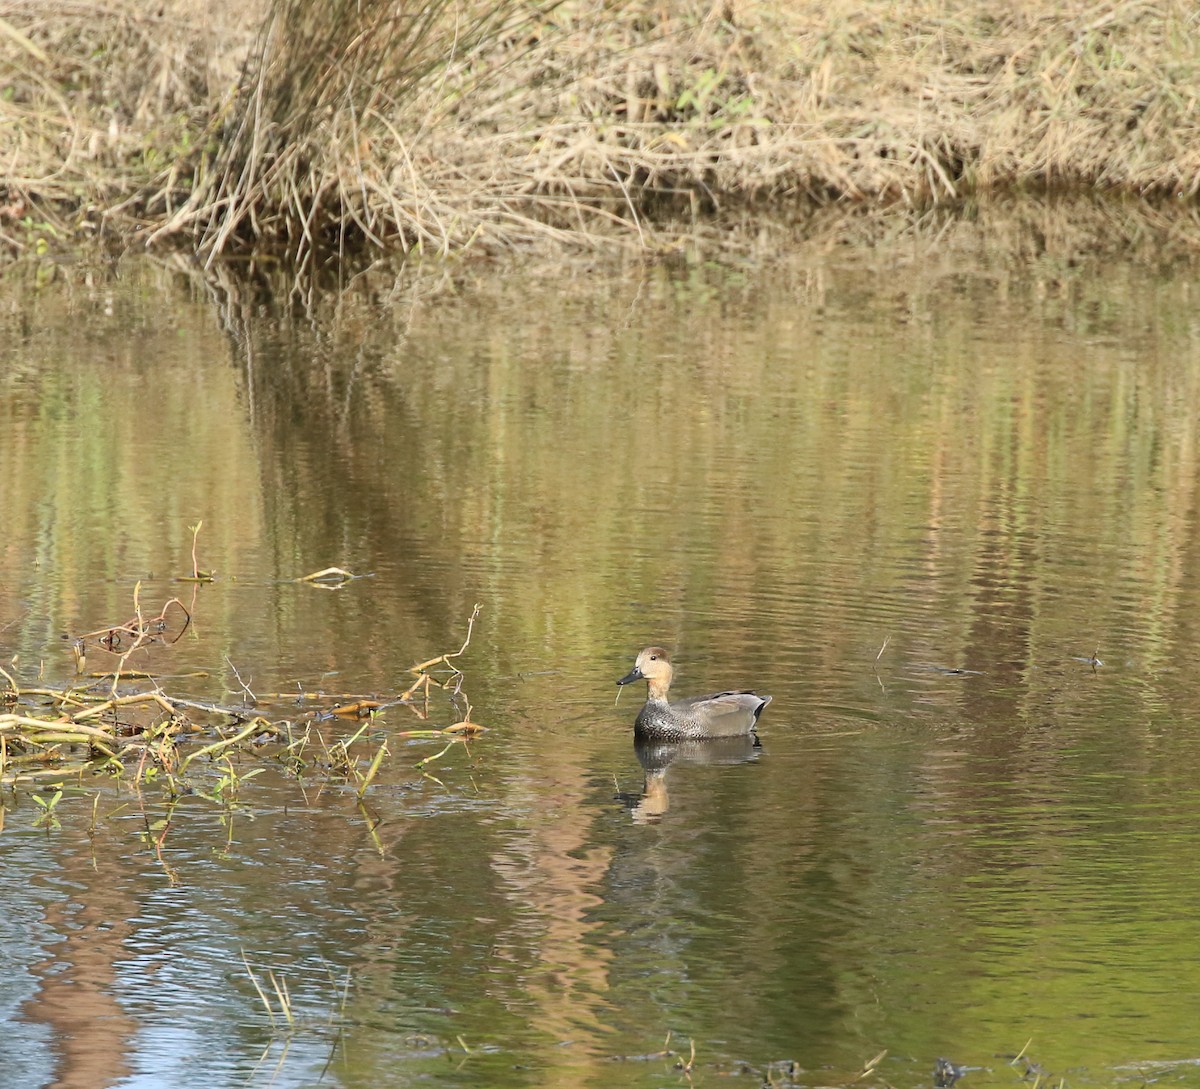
722 714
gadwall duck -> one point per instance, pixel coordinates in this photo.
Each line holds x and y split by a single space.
723 714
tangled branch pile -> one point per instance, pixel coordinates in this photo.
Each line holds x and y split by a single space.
123 723
326 125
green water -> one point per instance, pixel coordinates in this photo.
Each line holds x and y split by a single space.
909 494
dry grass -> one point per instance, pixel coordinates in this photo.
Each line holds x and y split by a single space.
324 125
97 99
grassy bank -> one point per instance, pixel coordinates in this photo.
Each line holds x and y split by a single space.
326 125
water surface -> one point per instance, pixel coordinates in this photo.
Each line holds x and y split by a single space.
939 501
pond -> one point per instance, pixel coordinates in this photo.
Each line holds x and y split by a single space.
938 499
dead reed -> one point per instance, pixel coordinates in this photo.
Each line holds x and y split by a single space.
336 125
124 723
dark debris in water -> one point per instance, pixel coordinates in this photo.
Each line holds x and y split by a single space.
946 1073
949 671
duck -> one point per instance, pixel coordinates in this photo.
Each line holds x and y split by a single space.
722 714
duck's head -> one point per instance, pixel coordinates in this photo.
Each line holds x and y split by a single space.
653 665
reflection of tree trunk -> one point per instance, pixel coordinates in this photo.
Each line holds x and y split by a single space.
75 998
554 875
1002 616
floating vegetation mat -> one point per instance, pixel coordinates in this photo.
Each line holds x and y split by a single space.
126 723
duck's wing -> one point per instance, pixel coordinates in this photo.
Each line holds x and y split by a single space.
735 697
726 713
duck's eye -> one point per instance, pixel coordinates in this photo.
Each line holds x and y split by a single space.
654 657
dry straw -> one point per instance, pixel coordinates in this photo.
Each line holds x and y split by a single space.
325 125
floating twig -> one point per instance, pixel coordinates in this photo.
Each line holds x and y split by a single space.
1020 1054
12 684
424 667
244 686
869 1066
138 630
329 576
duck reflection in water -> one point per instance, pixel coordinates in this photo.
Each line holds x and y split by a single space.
656 756
716 729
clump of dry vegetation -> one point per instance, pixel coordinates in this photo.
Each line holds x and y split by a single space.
123 723
328 125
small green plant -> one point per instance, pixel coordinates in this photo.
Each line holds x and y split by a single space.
41 225
697 96
228 786
112 766
47 816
